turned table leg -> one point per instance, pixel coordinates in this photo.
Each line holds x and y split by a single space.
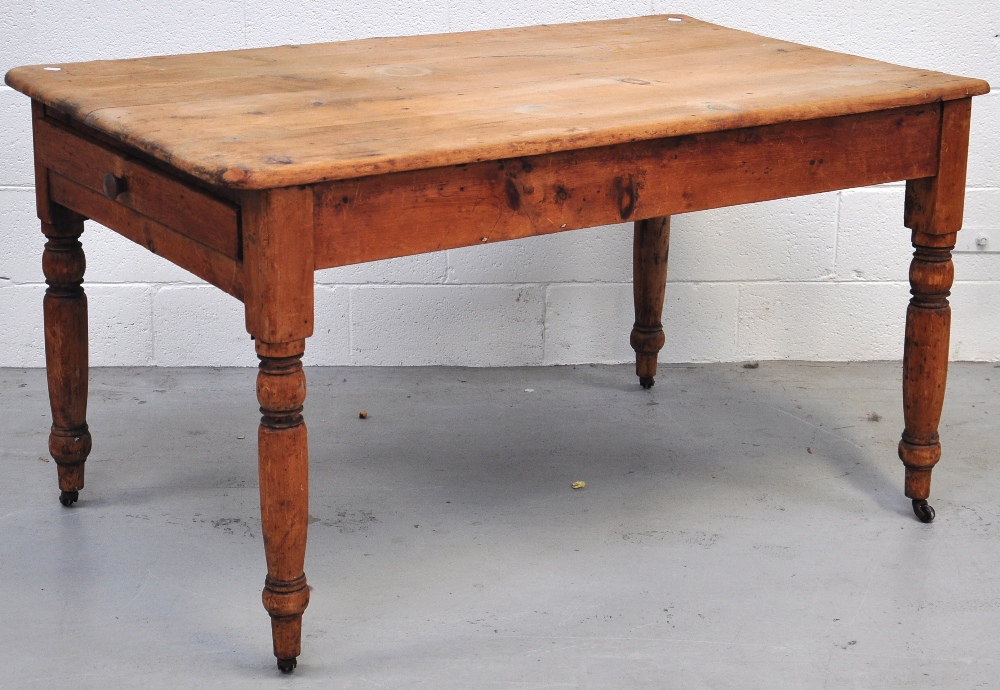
65 313
925 365
934 209
284 493
649 280
278 296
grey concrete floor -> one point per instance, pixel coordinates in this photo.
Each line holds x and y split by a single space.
740 528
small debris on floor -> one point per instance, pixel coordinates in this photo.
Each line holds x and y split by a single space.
363 414
874 417
529 390
809 450
579 485
751 365
240 438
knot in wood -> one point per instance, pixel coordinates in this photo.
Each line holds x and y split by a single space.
626 191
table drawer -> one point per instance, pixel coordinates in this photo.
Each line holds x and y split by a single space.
130 183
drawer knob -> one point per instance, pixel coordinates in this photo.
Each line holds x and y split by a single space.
114 185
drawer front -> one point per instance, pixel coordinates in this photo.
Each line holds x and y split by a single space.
196 214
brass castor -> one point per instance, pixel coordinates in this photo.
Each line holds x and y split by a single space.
922 510
68 498
287 665
646 381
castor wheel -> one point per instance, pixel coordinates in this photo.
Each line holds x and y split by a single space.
287 665
646 381
68 498
922 510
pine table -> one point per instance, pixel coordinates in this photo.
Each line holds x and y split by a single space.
253 168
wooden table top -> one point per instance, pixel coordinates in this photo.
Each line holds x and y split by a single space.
290 115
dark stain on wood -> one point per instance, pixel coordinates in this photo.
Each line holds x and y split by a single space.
512 194
627 192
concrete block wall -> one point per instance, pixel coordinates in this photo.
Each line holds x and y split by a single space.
817 278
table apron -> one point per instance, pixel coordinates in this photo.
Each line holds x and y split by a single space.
186 225
399 214
211 266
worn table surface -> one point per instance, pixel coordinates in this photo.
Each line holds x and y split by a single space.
288 115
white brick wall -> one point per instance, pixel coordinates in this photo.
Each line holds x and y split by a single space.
820 277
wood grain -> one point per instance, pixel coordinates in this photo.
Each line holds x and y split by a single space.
933 210
254 168
290 115
41 172
278 264
936 205
925 362
218 269
66 348
191 212
283 454
421 211
650 250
